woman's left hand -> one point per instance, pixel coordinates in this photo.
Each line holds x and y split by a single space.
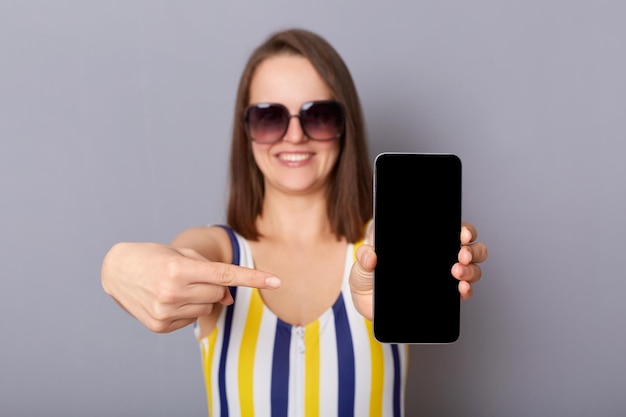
466 270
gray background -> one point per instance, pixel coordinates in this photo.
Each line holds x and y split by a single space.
114 125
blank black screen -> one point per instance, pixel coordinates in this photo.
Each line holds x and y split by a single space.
417 225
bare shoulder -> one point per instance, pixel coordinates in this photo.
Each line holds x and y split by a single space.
212 242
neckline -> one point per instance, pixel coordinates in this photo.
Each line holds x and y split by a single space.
326 314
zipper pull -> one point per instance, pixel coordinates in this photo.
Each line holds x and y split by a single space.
300 334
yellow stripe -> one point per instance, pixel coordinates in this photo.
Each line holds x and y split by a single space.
355 247
208 347
247 352
378 373
362 241
312 369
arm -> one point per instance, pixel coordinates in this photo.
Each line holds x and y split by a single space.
466 270
167 287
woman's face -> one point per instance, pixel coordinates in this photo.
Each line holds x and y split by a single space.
294 164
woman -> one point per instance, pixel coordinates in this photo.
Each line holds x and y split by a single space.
281 308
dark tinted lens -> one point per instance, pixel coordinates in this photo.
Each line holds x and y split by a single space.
266 122
322 120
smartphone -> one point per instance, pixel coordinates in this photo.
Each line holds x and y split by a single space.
417 229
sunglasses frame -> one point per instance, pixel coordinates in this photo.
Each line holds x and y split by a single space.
301 113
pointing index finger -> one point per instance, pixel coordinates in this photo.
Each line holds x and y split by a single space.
233 275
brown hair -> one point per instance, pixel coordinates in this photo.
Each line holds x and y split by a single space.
350 187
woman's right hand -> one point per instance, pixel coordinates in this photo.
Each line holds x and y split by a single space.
167 287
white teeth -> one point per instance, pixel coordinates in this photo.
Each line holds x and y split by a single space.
294 157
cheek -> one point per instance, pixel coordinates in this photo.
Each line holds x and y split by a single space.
334 152
259 151
260 154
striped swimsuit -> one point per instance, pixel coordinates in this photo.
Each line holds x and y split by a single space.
258 365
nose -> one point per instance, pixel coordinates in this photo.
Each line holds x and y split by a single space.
294 133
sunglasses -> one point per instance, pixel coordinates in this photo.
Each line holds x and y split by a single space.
319 120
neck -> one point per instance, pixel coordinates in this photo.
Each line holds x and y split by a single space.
290 218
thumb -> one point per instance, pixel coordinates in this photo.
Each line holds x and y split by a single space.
362 280
362 273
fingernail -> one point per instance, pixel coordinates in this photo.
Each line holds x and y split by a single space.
364 258
467 257
467 235
457 271
272 282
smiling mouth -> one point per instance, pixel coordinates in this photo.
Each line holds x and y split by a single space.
294 157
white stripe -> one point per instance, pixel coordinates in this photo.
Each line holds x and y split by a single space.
296 376
404 351
389 375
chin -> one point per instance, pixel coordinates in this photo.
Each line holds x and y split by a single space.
301 187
